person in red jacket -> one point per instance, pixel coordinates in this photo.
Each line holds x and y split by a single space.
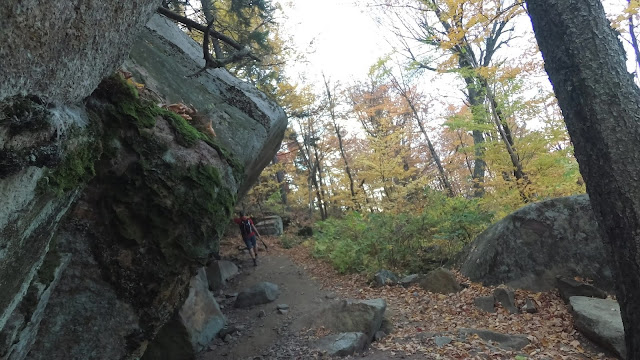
249 232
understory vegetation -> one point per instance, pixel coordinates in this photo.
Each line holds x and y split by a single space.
409 241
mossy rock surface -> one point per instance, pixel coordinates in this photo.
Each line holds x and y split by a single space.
161 195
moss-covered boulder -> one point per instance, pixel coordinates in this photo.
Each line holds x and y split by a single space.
162 193
134 196
246 122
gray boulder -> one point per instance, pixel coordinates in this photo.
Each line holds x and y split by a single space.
442 340
409 280
441 281
270 225
364 316
503 341
262 293
343 344
196 324
506 298
570 287
600 321
384 277
219 272
157 198
531 246
247 123
51 58
62 60
530 306
485 303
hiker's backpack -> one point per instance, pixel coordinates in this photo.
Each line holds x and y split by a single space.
245 227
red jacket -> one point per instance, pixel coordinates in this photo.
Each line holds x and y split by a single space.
239 221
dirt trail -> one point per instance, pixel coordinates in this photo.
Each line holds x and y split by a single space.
273 335
417 316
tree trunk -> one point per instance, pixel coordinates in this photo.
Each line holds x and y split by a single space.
634 42
209 10
601 106
336 128
505 134
281 182
479 166
466 156
444 179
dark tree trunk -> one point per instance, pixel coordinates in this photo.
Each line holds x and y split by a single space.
601 106
479 166
208 8
281 182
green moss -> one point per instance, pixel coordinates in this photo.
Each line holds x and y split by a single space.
217 200
126 105
187 134
76 168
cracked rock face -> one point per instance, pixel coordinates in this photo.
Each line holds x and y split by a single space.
60 50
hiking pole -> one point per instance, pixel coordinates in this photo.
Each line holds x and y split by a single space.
264 243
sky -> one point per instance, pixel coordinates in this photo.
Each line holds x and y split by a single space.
345 40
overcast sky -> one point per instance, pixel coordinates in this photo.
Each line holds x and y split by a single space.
344 39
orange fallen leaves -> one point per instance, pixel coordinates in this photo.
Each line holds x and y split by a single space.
418 315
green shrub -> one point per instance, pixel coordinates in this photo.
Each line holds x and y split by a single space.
289 241
407 241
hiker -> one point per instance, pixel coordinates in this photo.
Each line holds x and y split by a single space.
249 232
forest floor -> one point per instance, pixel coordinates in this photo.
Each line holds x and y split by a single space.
417 316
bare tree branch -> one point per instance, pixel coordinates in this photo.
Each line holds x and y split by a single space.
193 24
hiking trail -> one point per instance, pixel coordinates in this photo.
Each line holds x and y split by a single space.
424 325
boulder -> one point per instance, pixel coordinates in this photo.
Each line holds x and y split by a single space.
442 340
485 303
441 281
570 287
196 324
384 277
506 298
161 192
219 272
343 344
531 246
21 330
530 306
600 321
262 293
503 341
246 122
364 316
409 280
270 225
63 58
